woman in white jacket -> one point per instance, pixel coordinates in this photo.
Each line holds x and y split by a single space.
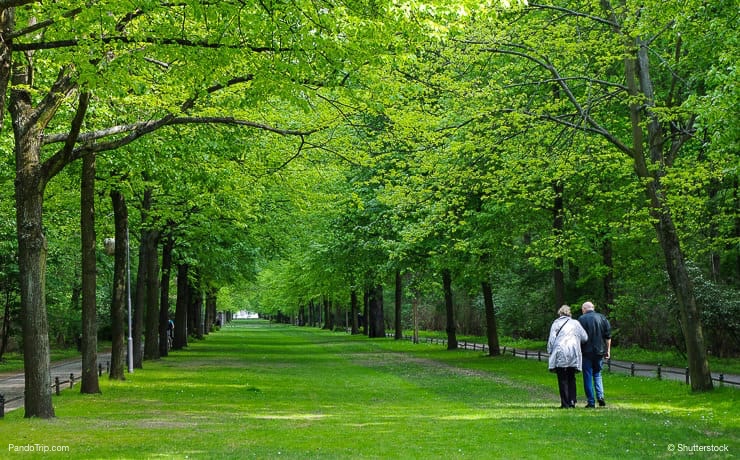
564 347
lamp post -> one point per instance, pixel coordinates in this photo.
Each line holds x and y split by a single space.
128 302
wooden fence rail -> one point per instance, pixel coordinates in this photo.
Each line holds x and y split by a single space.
57 385
658 371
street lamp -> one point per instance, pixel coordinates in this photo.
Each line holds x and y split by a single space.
128 301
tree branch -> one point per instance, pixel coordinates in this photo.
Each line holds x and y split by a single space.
563 83
573 13
48 106
136 130
11 3
64 156
148 40
43 24
188 104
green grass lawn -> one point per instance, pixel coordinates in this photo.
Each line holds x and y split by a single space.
255 390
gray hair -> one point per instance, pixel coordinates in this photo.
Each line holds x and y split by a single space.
587 306
564 310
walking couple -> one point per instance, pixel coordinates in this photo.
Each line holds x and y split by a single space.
579 345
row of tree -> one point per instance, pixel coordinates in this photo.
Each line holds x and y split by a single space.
289 153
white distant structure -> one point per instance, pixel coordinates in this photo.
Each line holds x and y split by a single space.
243 314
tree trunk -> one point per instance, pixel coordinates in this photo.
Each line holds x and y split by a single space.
399 306
639 83
450 309
32 268
5 331
90 384
491 327
120 295
366 312
557 228
151 342
376 320
195 327
329 318
354 311
606 255
415 313
181 308
30 183
140 303
210 309
164 292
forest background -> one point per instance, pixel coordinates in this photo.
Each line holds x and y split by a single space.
489 161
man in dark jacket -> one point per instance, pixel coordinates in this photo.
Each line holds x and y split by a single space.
595 349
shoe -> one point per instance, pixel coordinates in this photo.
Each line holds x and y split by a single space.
602 403
590 406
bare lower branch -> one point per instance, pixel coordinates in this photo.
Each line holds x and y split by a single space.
138 129
573 13
43 24
147 40
11 3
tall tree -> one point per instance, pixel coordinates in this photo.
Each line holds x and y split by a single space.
90 383
119 299
123 56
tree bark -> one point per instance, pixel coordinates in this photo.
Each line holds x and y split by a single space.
329 317
639 83
140 303
164 292
5 331
151 342
30 182
120 295
210 309
90 384
606 255
354 306
398 335
557 228
181 308
376 321
491 327
196 308
366 312
450 309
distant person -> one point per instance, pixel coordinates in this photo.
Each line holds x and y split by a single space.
595 350
564 347
171 329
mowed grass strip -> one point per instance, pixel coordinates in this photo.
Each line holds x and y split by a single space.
255 390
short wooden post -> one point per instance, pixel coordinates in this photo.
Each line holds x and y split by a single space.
2 405
56 384
100 369
687 376
721 379
632 369
659 366
71 380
